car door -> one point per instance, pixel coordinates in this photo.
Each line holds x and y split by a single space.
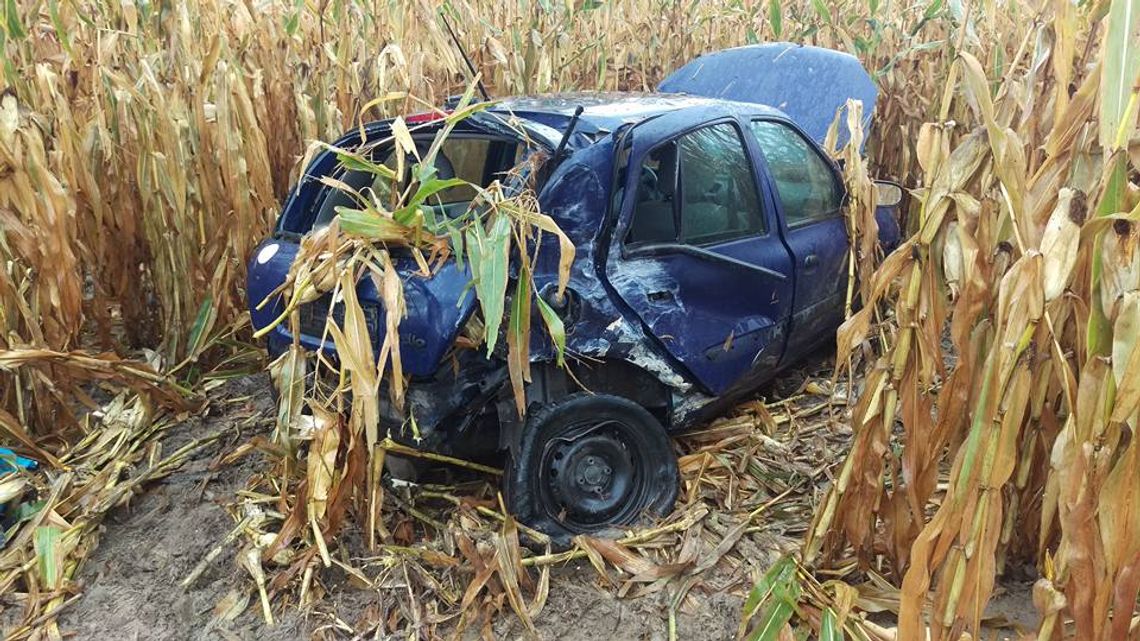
695 254
810 196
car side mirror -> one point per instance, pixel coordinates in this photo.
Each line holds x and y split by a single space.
888 194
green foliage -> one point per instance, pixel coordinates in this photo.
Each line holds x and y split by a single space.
772 602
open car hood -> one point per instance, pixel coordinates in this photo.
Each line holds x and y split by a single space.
807 83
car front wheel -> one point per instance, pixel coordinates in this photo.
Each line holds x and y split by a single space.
587 464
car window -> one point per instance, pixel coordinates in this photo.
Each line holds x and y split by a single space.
654 211
808 188
464 158
697 189
475 160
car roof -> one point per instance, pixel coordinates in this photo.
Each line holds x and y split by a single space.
606 111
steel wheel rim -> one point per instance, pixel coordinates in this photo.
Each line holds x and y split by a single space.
591 475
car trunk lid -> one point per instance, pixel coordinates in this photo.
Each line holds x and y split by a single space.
437 307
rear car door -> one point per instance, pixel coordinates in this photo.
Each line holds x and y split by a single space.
695 253
810 196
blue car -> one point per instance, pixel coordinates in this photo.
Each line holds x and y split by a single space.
711 254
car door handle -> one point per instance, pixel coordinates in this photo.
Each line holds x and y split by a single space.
811 260
662 296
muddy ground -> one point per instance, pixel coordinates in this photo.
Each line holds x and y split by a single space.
131 582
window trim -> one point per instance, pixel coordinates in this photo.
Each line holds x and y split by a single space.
704 253
836 175
656 247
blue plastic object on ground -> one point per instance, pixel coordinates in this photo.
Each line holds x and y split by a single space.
12 462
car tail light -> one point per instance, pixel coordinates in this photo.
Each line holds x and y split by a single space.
427 116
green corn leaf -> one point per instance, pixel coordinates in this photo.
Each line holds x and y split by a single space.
554 327
12 21
775 614
433 186
202 323
370 224
1121 70
489 255
775 17
455 234
1113 200
60 32
467 111
829 629
356 162
49 556
771 621
518 338
410 215
821 9
932 10
776 579
294 19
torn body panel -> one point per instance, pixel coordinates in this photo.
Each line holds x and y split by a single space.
597 327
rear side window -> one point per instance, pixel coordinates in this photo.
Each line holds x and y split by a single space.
808 188
696 189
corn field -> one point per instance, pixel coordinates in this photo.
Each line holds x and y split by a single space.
993 364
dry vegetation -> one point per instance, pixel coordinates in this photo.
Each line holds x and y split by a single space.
144 148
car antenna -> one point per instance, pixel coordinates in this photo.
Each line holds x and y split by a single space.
470 67
569 130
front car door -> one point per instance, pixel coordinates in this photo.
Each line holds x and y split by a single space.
695 253
810 195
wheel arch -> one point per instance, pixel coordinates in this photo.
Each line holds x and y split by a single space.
618 377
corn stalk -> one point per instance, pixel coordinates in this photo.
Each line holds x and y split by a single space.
1006 365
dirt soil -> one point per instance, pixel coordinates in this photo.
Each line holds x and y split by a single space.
131 582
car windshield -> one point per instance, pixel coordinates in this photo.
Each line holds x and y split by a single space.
473 159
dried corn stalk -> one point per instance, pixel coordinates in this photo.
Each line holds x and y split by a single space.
1013 335
144 151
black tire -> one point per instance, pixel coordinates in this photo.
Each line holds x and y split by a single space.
587 464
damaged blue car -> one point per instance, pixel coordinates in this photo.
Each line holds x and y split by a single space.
711 254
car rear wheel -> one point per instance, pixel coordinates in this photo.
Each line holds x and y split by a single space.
587 464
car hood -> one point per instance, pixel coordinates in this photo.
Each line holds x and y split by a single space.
809 84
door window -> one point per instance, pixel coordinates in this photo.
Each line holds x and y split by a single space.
806 183
697 189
